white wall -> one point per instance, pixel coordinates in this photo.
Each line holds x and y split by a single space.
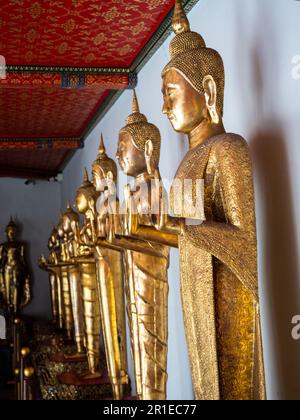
257 39
35 208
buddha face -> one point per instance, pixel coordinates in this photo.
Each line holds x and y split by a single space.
183 105
82 204
66 224
53 238
131 160
60 230
11 234
98 178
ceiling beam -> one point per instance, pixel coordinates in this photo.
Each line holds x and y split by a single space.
16 143
76 80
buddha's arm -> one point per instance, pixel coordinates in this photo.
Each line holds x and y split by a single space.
234 242
152 234
163 222
121 243
84 239
164 229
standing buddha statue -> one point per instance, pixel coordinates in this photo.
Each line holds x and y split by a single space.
109 264
45 265
14 271
64 263
85 204
55 269
147 269
218 255
70 222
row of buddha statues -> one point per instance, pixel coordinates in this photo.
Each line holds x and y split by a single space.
15 279
116 262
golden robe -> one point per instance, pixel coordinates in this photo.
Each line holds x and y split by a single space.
219 281
147 307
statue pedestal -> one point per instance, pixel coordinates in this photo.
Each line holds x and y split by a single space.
75 379
62 357
75 357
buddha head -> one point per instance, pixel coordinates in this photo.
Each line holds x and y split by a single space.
50 243
70 218
104 171
54 239
11 231
86 195
139 144
194 80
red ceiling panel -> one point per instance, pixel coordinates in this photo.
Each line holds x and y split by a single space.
102 33
47 111
31 164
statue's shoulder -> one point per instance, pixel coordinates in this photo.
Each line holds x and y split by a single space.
234 140
229 142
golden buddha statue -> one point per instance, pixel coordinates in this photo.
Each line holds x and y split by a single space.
46 266
55 269
85 204
14 271
70 223
64 263
147 266
218 255
53 285
109 263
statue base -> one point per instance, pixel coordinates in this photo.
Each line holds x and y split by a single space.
75 357
61 357
76 379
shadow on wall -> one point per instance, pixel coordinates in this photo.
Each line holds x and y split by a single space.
277 223
281 276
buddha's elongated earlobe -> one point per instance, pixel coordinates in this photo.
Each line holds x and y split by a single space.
109 180
148 156
210 89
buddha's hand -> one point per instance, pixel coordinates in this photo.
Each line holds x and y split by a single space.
112 219
42 260
131 216
113 226
159 203
84 250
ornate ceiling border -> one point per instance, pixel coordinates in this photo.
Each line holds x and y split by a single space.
62 69
23 143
